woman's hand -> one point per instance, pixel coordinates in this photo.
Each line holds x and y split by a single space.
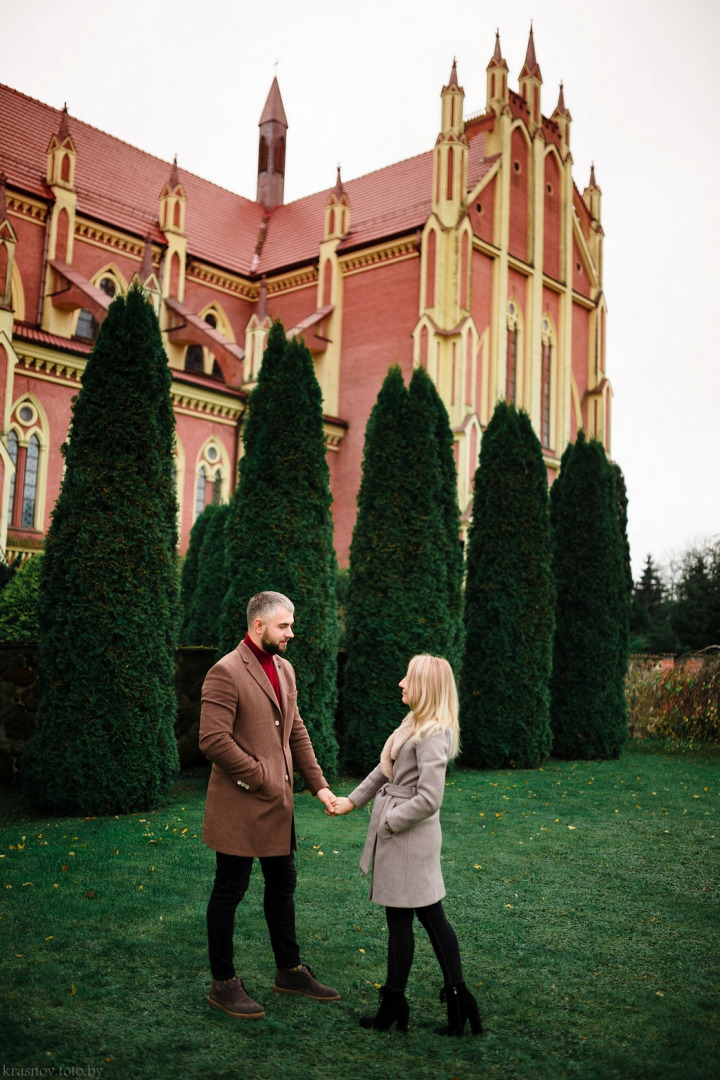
343 805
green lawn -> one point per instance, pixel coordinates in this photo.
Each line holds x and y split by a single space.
585 897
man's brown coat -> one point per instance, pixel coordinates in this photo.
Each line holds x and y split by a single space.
254 743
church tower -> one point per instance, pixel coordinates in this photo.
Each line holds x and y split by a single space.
271 154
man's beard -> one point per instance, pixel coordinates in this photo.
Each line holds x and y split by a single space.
273 648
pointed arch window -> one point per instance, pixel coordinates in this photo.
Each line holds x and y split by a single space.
513 334
263 155
24 482
546 384
200 487
280 157
13 450
212 477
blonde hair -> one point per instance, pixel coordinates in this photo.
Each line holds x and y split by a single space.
433 699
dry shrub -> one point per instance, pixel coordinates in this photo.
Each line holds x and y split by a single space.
679 704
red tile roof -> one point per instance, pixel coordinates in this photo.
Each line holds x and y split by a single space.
119 185
23 332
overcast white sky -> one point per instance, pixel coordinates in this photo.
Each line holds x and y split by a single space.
361 86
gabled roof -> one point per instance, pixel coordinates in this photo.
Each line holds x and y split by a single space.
385 203
120 186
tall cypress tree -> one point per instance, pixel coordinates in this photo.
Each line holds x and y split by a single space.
203 624
588 710
189 574
108 603
509 601
256 475
398 594
282 533
423 390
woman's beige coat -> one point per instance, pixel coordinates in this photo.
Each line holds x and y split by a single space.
254 741
406 863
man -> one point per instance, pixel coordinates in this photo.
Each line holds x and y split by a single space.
251 730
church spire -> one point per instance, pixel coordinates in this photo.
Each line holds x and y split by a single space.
172 203
271 156
61 154
562 118
337 211
531 81
497 79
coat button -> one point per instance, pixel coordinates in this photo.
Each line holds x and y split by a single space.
277 723
286 776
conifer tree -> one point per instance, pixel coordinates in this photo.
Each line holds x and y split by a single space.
588 710
108 601
189 573
399 597
509 601
256 474
282 534
203 625
422 389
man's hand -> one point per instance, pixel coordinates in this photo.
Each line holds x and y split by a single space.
327 798
343 805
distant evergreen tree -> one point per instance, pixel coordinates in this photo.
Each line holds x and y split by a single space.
108 602
422 389
256 474
650 591
401 597
650 629
509 601
588 710
280 531
189 573
203 625
695 613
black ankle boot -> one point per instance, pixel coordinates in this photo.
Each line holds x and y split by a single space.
461 1006
393 1009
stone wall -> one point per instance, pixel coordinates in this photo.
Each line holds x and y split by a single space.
18 703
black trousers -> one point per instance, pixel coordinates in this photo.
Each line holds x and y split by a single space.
401 944
232 877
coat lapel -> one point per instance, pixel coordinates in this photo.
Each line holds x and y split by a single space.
255 669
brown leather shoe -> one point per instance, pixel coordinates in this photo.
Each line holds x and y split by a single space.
301 980
230 996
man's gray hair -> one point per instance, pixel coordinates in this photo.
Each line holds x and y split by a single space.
264 606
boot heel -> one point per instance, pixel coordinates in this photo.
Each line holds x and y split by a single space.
461 1007
394 1009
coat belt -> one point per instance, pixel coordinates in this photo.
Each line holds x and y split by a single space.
398 790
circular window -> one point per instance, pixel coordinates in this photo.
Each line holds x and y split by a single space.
550 189
479 208
511 309
26 413
546 325
517 166
578 267
211 453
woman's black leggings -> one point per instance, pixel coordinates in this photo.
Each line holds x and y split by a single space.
401 944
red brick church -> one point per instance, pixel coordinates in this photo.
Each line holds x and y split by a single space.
479 259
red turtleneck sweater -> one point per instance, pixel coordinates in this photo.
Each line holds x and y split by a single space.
267 663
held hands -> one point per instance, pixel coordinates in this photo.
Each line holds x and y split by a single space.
334 804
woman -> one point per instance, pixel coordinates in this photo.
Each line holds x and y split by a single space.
404 841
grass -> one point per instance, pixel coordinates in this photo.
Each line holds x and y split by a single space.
585 897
